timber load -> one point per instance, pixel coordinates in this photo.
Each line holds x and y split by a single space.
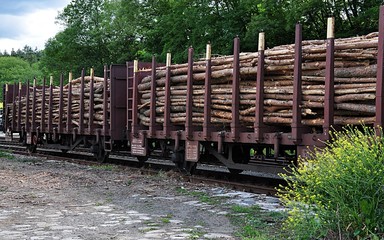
355 66
75 88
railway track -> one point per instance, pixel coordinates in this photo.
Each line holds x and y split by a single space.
207 174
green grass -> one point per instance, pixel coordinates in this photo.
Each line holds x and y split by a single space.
160 175
202 196
4 154
196 234
166 219
255 223
252 222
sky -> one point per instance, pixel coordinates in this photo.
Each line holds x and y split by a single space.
28 22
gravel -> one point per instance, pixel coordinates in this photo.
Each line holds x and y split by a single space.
49 199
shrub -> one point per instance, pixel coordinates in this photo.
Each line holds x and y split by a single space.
339 193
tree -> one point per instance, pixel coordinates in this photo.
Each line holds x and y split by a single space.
351 17
14 70
83 43
270 17
124 31
175 25
99 32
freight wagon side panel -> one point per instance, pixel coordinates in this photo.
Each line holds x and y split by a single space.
118 102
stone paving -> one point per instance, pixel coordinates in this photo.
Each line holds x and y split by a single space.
107 209
90 221
71 223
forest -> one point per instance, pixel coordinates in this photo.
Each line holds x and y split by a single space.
100 32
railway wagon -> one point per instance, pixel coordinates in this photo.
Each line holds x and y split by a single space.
209 110
58 117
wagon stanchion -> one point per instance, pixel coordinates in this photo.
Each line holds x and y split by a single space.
43 110
296 125
50 111
13 124
207 95
33 124
27 110
91 102
189 103
379 122
61 104
329 79
69 106
235 122
167 106
259 105
19 109
152 107
5 124
82 110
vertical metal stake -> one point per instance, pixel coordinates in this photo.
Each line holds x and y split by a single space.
207 96
189 104
297 77
329 80
152 106
259 108
235 124
380 74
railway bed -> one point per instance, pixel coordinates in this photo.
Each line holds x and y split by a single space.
204 173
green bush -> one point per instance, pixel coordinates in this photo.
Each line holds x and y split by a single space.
339 193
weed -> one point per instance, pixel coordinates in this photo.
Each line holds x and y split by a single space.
151 223
7 155
167 218
255 223
339 192
196 234
182 190
203 197
160 175
128 182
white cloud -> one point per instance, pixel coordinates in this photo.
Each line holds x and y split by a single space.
33 28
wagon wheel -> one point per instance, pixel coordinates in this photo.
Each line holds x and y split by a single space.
99 153
190 167
142 160
185 167
31 148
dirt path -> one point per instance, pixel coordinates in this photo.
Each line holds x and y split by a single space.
48 199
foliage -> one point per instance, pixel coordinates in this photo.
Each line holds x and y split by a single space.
101 32
15 69
340 192
4 154
255 223
83 43
176 25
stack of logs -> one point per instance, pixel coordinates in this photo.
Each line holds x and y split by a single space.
355 78
98 88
